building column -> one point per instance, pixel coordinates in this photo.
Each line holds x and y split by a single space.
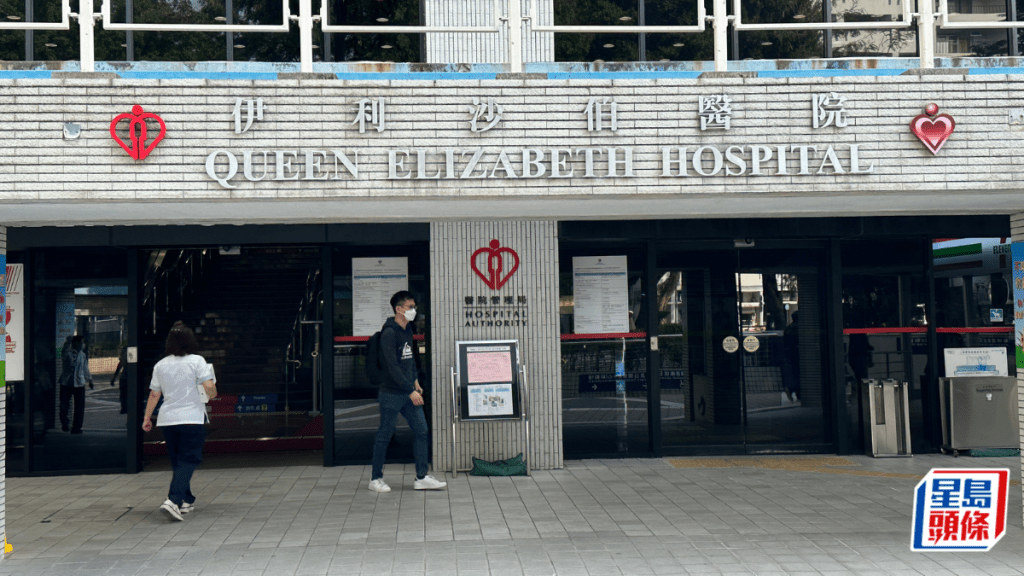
3 386
1017 235
470 48
467 304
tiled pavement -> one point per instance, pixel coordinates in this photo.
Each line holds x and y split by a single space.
768 515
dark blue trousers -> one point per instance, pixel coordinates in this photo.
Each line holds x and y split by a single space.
185 447
391 405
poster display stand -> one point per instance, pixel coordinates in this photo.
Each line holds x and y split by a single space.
488 385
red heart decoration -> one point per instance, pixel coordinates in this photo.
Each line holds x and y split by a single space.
494 279
137 132
933 132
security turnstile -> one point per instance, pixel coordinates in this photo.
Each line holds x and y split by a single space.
979 412
886 418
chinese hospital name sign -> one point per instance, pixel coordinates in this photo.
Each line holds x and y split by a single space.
713 114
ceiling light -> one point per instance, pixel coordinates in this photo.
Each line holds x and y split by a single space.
679 44
625 19
220 18
382 20
13 17
52 45
799 17
664 60
387 46
315 47
609 45
766 43
239 46
122 45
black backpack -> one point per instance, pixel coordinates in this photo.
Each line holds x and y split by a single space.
374 360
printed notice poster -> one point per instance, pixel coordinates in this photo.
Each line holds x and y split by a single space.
488 364
490 400
1017 252
374 282
600 294
976 362
3 318
14 315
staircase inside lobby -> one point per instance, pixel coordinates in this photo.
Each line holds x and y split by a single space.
252 310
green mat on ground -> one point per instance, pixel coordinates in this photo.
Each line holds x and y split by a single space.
993 452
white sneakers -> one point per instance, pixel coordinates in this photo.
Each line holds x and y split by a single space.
185 507
171 510
379 485
425 483
428 482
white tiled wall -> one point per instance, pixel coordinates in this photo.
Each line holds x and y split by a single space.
1017 233
3 415
981 157
453 281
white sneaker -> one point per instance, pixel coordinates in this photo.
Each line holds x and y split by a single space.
428 482
185 507
170 509
379 485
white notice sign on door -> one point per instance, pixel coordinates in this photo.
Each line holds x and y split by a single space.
600 294
14 339
374 281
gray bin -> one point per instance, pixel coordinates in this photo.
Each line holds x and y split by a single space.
979 412
886 418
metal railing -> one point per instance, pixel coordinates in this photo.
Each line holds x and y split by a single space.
167 283
310 306
927 21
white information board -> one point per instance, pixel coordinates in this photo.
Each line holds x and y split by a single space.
489 400
374 282
600 294
14 344
976 362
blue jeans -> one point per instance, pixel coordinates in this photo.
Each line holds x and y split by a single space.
185 447
391 405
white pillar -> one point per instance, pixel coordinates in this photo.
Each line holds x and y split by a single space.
926 32
305 36
3 390
515 36
86 27
720 21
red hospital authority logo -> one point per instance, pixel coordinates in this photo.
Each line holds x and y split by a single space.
960 510
932 128
138 132
494 274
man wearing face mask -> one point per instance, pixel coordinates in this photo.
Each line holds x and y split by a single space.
400 393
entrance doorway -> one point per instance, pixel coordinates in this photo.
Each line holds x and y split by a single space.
256 314
741 338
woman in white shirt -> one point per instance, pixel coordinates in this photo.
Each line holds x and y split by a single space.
179 378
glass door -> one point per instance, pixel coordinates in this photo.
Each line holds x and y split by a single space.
701 388
742 344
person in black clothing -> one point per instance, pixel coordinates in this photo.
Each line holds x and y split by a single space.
401 393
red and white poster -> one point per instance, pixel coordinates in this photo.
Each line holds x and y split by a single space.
15 316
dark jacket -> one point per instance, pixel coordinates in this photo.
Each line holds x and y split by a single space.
399 362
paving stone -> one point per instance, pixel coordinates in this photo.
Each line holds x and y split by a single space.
760 515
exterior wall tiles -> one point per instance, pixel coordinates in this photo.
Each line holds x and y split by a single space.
452 280
318 115
1017 233
3 404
